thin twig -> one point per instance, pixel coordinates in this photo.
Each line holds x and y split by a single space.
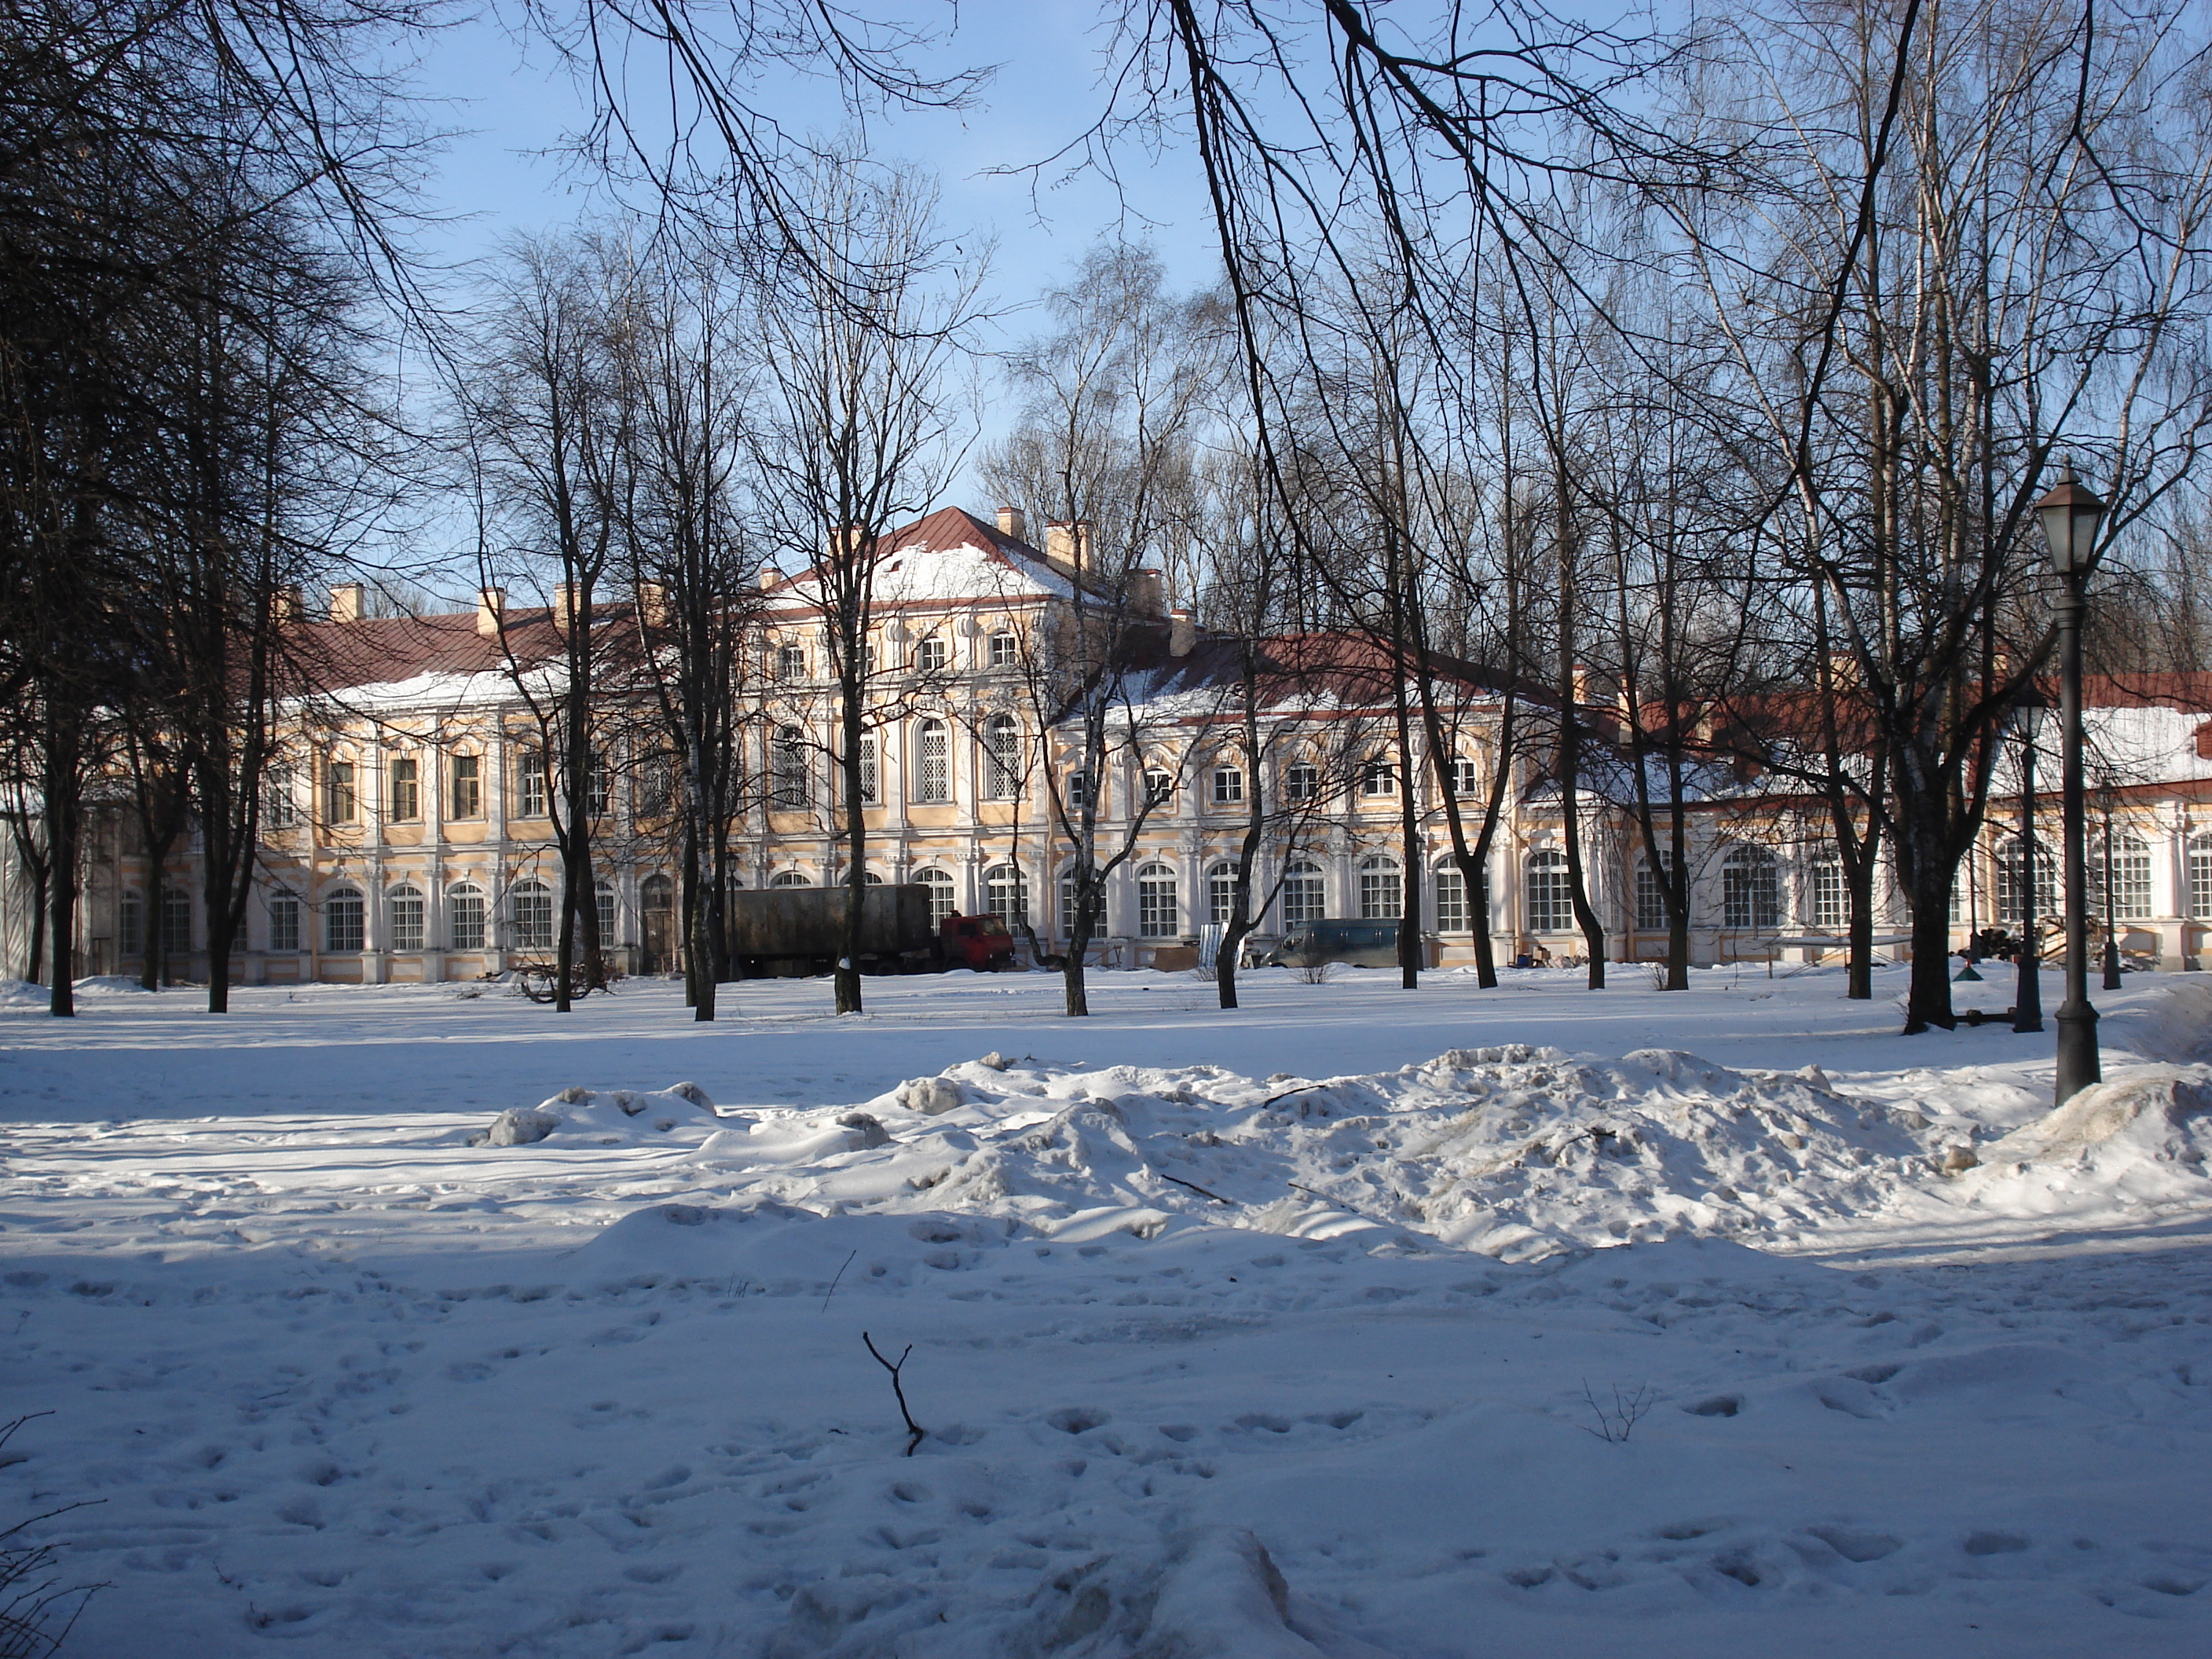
1195 1187
913 1430
835 1282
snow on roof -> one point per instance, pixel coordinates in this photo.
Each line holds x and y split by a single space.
951 554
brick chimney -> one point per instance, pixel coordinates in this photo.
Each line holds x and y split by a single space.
568 599
653 604
2204 741
1148 593
1182 632
1069 545
345 602
491 610
1013 522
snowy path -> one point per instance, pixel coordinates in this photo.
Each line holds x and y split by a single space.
1262 1334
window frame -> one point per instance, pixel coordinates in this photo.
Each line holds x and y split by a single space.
1159 901
1228 785
346 908
405 774
465 789
407 899
932 762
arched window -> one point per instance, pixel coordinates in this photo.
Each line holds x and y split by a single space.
1002 753
789 762
1220 892
791 879
1551 907
1159 915
1382 889
2012 869
1304 896
656 918
176 920
2130 877
1750 892
283 920
342 919
940 894
409 918
1068 904
530 908
1451 900
932 762
1006 894
2200 875
1827 900
1650 896
872 774
464 918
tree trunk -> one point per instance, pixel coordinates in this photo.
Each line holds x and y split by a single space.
60 772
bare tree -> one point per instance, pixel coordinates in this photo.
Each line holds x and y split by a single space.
856 430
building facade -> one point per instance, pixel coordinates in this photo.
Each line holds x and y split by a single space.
407 835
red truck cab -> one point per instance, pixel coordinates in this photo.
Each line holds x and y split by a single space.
979 942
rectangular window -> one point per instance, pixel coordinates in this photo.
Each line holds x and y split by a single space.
1550 902
1079 791
406 790
283 921
606 906
791 663
930 656
2200 876
1301 783
599 785
1379 777
131 926
532 906
280 808
1005 651
1465 779
1650 898
467 791
1228 785
1159 790
339 802
530 783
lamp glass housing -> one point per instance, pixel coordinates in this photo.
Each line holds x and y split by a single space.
2070 515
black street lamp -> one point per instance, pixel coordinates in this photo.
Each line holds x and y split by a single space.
2027 998
2071 516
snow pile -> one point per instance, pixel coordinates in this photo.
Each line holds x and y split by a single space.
1512 1151
607 1117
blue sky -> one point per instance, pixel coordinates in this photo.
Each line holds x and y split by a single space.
517 102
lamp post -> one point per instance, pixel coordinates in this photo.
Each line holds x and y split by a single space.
2027 998
2071 516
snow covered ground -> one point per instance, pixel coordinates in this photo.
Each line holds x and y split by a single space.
1316 1327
